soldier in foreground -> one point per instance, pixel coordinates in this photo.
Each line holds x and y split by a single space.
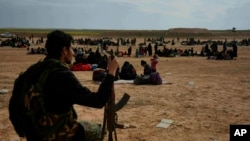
50 92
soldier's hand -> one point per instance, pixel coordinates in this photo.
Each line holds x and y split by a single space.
112 65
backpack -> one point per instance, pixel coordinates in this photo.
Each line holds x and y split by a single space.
155 78
26 106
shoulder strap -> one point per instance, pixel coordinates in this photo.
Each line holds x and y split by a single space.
37 73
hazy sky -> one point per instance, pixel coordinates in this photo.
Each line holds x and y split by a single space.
125 14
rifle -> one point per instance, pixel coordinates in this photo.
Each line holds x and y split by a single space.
110 116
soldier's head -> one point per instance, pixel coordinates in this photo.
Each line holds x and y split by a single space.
58 46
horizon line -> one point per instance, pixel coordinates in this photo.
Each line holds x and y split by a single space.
44 28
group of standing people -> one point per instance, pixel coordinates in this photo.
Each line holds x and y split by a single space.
148 50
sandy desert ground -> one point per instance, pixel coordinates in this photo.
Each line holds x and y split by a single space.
205 97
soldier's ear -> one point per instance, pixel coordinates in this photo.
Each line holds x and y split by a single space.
65 51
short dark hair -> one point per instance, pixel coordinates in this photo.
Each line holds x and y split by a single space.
56 40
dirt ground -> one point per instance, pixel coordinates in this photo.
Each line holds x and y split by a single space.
203 99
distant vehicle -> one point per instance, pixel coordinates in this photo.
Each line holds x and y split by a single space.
7 35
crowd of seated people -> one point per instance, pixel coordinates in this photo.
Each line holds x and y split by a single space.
170 52
225 54
39 50
20 42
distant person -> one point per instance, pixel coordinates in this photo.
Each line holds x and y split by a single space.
154 62
214 48
128 71
137 53
225 46
147 69
156 47
129 51
235 50
149 49
207 50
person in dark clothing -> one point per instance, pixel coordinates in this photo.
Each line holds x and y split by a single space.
147 69
156 48
149 49
225 46
235 50
129 51
62 90
206 49
214 48
103 62
127 71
